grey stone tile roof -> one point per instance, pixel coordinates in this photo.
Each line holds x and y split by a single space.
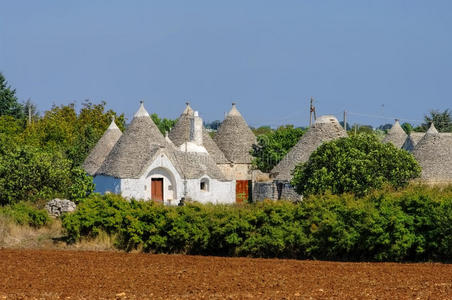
192 165
234 138
434 154
325 128
142 142
131 154
396 135
103 147
412 140
180 134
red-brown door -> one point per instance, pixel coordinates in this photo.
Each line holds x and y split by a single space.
242 191
157 189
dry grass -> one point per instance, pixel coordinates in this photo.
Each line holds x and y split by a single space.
15 236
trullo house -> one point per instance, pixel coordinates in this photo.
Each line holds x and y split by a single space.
434 154
326 128
143 164
235 139
396 135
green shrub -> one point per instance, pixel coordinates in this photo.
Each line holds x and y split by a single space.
25 214
410 224
358 164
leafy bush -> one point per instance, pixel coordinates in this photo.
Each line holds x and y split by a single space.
356 164
29 173
25 214
412 224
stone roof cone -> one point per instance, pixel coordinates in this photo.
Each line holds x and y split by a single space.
325 129
434 154
235 138
139 142
412 140
103 147
180 134
396 135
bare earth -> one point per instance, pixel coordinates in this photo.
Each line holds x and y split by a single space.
51 274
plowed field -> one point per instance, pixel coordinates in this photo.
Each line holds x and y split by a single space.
78 274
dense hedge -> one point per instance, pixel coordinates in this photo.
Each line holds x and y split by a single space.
414 224
26 214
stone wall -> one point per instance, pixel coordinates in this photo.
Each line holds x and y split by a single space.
274 190
264 191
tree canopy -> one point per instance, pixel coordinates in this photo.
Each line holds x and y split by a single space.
9 106
356 164
274 145
164 125
442 120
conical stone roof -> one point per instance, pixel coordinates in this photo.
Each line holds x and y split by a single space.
325 129
434 154
412 140
103 147
180 134
137 145
234 138
396 135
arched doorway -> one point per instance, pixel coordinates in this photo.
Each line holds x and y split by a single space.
163 186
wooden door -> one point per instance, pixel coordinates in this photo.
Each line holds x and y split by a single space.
157 189
242 191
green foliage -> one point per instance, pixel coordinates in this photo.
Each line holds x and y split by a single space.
29 173
442 121
407 127
62 129
8 100
413 224
357 164
25 214
274 145
164 125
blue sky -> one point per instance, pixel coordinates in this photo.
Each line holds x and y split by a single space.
376 59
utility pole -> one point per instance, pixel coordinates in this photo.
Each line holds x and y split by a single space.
311 111
345 120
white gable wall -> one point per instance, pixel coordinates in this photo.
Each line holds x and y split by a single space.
161 167
173 185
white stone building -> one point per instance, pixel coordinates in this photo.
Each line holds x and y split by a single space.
143 164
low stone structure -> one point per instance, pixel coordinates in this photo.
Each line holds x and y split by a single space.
57 207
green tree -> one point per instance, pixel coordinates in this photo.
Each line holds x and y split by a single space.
274 145
262 130
30 173
357 164
62 129
164 125
407 127
442 121
8 100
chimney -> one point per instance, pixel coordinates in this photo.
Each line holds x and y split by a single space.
196 129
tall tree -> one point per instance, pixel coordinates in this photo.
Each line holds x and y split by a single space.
8 100
442 120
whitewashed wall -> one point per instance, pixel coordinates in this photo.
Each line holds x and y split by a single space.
161 167
173 185
219 191
107 184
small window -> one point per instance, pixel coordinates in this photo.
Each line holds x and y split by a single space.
204 185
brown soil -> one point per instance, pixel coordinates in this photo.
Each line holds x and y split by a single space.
79 274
